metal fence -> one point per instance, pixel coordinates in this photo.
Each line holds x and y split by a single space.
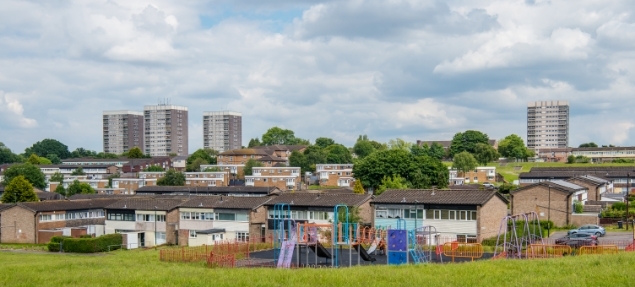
222 253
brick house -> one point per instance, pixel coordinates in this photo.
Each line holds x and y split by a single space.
318 207
553 154
478 175
549 199
208 219
596 186
209 190
284 178
335 174
269 156
464 215
144 221
37 222
129 185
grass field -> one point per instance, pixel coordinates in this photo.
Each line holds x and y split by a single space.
142 268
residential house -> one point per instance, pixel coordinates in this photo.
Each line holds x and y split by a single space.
284 178
37 222
552 200
130 185
235 170
596 186
604 154
618 175
179 163
269 156
468 215
140 164
208 190
118 162
478 175
335 174
555 154
208 178
205 220
144 222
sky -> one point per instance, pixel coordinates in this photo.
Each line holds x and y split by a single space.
415 70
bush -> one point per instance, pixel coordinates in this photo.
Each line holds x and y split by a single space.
623 160
578 206
618 206
86 236
546 224
505 188
88 245
54 244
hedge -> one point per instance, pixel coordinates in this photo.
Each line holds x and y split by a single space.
88 245
54 244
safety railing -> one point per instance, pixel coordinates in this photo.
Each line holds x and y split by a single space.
463 250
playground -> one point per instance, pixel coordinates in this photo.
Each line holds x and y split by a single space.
343 243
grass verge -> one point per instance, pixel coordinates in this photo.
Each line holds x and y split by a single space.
142 268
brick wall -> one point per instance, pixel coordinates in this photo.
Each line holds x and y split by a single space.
537 199
592 192
18 225
582 219
45 236
489 217
171 230
366 212
256 219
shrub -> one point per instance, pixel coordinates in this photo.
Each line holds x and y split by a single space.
54 244
86 236
546 224
88 245
618 206
578 206
623 160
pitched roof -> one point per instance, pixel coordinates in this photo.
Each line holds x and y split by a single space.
590 180
614 148
244 151
58 205
146 204
320 199
98 196
443 196
4 206
207 189
559 185
230 202
49 196
600 171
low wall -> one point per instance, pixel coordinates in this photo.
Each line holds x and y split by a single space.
585 218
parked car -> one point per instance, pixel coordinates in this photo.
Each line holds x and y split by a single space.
589 229
488 185
577 237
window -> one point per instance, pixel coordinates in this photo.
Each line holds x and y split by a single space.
161 218
185 215
145 217
381 213
463 215
413 213
192 233
226 216
46 217
119 216
242 217
242 236
452 215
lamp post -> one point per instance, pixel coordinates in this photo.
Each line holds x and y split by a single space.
416 213
549 214
155 225
628 188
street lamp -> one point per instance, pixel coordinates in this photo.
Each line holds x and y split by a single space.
628 188
416 213
155 225
549 210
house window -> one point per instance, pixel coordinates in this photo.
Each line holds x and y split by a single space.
226 216
463 215
145 217
242 236
46 217
452 214
161 218
160 236
192 233
381 213
185 215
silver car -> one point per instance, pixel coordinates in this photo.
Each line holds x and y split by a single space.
589 229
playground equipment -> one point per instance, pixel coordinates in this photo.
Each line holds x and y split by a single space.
284 235
418 239
462 250
516 234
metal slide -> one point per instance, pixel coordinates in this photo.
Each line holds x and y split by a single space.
363 254
319 249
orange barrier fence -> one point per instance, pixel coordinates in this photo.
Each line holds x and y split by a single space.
463 250
238 249
598 249
547 251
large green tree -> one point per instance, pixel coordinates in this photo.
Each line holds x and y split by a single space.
49 146
315 155
200 156
19 189
437 151
512 146
78 171
337 153
53 158
57 177
298 159
400 144
77 187
464 162
589 144
324 142
485 153
254 143
135 152
172 178
276 135
392 182
82 152
363 148
249 165
33 159
419 171
466 141
31 172
154 168
6 155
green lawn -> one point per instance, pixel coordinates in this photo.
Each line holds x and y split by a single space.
142 268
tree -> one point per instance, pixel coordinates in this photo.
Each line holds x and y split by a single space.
337 153
49 146
248 168
589 144
437 151
466 141
212 169
6 155
276 135
314 155
419 171
154 168
254 143
512 146
106 155
78 188
135 152
363 148
358 188
57 177
206 156
324 142
392 182
354 215
506 188
485 153
78 171
82 152
31 172
400 144
172 178
19 189
464 162
53 158
298 159
44 160
60 189
420 150
33 159
571 159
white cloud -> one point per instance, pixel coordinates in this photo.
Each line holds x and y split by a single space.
13 112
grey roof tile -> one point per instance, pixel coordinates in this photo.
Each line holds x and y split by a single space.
438 196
